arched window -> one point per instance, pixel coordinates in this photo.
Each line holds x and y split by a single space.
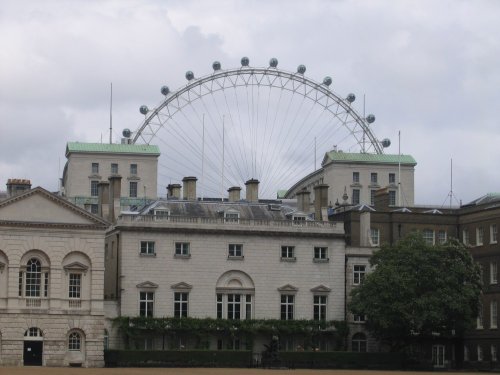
106 339
74 341
359 342
33 332
33 278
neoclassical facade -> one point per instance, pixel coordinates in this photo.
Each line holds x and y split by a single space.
51 277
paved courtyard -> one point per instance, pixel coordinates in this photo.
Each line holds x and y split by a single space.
193 371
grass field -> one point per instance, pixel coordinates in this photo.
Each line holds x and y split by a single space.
194 371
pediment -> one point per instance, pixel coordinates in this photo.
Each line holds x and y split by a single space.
288 288
147 285
182 286
321 289
76 266
38 207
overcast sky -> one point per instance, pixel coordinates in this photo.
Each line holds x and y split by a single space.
429 69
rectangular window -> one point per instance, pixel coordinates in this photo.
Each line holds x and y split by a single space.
392 198
248 306
392 178
479 236
94 192
479 322
479 353
46 284
493 233
147 247
161 214
182 248
133 169
428 235
232 217
20 292
288 252
114 168
319 312
180 305
466 353
220 306
493 273
299 220
465 237
95 168
75 285
287 301
358 274
493 314
355 196
133 189
94 208
442 236
373 178
494 356
372 197
320 253
234 306
355 177
375 236
146 304
359 318
235 250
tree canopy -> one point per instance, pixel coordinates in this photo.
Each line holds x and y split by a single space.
418 290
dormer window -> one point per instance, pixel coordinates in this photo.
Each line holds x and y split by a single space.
232 217
299 219
161 214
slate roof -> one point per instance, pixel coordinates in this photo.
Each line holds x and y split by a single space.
348 157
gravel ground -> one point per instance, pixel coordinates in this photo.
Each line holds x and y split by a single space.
194 371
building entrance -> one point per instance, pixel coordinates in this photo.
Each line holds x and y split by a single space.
33 353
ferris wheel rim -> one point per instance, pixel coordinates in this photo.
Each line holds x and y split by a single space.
268 71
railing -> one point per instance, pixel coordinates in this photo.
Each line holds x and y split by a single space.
75 304
127 218
33 302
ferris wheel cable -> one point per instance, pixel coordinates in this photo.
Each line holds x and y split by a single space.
265 127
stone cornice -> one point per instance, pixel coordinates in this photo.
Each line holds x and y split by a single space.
33 224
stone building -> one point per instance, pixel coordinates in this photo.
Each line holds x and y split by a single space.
359 176
51 278
89 164
234 259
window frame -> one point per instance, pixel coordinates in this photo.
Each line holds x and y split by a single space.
361 341
493 273
287 306
392 178
146 304
320 307
375 236
479 236
75 289
94 168
133 169
133 188
288 253
114 168
493 315
74 341
182 249
356 196
493 233
429 236
147 248
232 217
358 275
181 304
373 178
355 177
235 251
440 239
94 188
320 254
392 198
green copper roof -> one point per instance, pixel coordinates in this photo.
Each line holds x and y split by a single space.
281 194
115 148
347 157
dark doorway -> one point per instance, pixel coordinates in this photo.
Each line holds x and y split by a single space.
33 351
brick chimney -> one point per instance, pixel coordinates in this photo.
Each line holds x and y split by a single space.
115 192
103 199
234 193
189 188
174 191
16 186
304 200
320 201
252 190
381 200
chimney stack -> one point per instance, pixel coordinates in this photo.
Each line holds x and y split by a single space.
103 200
252 190
320 201
174 191
16 186
381 200
189 188
115 192
304 200
234 193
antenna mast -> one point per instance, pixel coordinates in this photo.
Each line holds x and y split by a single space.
364 116
203 161
222 170
399 167
111 116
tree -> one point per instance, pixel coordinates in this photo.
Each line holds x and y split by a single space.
417 290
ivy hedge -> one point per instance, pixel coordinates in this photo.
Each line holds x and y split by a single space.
241 359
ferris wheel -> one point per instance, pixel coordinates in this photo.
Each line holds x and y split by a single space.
248 122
